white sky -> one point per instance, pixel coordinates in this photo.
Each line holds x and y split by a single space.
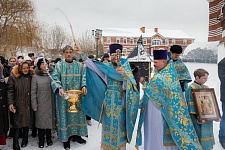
190 16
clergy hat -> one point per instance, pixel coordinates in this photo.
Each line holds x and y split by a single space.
114 47
176 49
67 47
160 54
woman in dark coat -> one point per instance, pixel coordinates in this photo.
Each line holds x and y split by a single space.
42 101
19 101
4 123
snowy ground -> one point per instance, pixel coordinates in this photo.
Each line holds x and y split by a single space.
93 141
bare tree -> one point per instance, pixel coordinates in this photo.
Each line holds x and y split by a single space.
52 39
87 43
17 25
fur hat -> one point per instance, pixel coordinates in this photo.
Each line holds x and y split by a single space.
176 49
30 54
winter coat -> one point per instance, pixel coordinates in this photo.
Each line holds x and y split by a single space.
42 98
137 77
19 89
4 125
221 73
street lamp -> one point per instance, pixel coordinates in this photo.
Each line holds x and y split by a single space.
97 33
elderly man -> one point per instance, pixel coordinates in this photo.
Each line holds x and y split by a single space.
167 124
115 102
69 75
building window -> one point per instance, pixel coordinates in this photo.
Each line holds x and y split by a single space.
173 41
166 41
118 40
144 41
185 42
125 50
124 40
108 40
156 42
131 41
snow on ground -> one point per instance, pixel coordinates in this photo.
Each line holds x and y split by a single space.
94 139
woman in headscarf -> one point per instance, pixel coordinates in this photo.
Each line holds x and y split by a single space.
105 58
42 101
19 101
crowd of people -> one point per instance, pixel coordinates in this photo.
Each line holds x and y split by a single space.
33 95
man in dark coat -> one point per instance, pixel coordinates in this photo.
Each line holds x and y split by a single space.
4 124
136 75
221 74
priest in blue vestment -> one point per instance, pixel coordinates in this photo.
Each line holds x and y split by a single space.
183 74
112 98
69 75
167 123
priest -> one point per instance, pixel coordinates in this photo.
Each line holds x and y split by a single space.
167 124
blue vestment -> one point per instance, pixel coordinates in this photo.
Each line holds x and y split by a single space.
69 76
183 74
113 101
165 92
205 130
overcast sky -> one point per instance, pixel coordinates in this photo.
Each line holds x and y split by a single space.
190 16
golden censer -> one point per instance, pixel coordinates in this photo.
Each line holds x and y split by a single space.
73 96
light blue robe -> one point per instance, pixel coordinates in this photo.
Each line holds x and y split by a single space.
205 130
113 100
183 74
69 76
165 92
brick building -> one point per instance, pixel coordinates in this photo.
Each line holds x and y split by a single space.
217 25
215 19
152 38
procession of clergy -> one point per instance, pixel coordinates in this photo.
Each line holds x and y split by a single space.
110 96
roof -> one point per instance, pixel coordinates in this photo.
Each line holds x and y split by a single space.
136 32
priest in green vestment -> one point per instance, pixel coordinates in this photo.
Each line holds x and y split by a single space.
69 75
